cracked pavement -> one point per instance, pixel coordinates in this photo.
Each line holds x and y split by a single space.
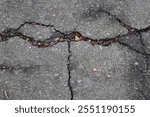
74 49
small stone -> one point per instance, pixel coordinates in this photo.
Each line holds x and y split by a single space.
108 76
77 38
39 43
136 63
94 69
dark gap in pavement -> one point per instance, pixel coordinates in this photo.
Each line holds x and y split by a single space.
75 36
69 70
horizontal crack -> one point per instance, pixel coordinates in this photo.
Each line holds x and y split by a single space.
74 36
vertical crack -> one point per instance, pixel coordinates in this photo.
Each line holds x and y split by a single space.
69 70
78 37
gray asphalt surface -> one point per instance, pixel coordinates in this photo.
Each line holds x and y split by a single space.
116 71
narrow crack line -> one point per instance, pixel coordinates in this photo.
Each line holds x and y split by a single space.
143 29
73 36
144 48
69 70
40 24
145 56
34 23
129 28
131 48
142 42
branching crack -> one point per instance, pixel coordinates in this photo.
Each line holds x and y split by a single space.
129 28
75 36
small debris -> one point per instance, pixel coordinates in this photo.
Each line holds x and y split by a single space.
109 76
94 69
77 38
136 63
6 94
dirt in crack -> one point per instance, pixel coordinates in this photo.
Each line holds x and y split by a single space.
75 36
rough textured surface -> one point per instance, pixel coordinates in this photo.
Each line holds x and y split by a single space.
105 73
104 55
31 73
